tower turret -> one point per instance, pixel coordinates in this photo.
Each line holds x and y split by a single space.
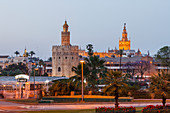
124 33
65 35
65 27
124 43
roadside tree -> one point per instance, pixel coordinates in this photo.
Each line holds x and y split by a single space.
115 85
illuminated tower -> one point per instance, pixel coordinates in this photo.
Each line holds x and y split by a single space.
64 56
124 43
65 35
25 53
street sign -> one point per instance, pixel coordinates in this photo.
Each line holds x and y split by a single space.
22 80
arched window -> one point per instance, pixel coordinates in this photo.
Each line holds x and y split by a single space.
59 57
59 69
65 57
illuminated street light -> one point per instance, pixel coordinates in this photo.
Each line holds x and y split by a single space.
82 89
34 80
46 82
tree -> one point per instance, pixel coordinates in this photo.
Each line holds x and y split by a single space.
61 87
27 54
160 84
32 53
93 69
41 63
96 70
89 47
15 69
164 56
120 53
50 59
142 66
115 85
17 53
76 80
130 68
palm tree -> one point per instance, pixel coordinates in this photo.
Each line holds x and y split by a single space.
32 53
27 54
50 59
89 47
160 84
41 63
76 80
61 87
96 70
120 52
115 83
17 53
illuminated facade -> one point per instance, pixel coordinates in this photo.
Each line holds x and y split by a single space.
124 43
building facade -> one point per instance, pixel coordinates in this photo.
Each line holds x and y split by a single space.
64 56
124 44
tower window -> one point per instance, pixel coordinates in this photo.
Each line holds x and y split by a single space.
72 57
65 57
59 57
59 69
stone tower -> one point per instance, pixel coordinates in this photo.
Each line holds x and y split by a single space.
65 35
64 56
124 43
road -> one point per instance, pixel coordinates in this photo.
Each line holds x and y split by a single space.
9 106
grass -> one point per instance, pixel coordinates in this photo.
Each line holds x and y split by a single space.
138 110
62 111
150 100
23 101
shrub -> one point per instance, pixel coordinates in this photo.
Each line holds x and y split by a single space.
116 110
156 109
141 95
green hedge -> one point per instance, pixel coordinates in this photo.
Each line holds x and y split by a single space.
58 100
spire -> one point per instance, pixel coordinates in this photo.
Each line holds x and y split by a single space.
25 52
65 27
124 26
124 33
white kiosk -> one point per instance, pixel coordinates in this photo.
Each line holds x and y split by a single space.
22 86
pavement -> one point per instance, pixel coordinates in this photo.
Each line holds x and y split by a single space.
7 107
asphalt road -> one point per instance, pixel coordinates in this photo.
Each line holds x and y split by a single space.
9 106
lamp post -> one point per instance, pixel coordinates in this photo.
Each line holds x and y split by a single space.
34 81
120 52
47 81
82 89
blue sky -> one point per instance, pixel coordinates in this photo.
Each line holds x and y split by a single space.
37 24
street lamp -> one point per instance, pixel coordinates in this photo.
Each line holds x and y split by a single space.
82 91
34 81
46 82
120 52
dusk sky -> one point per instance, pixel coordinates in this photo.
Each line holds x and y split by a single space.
37 24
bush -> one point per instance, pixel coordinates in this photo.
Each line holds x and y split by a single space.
141 95
156 109
116 110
